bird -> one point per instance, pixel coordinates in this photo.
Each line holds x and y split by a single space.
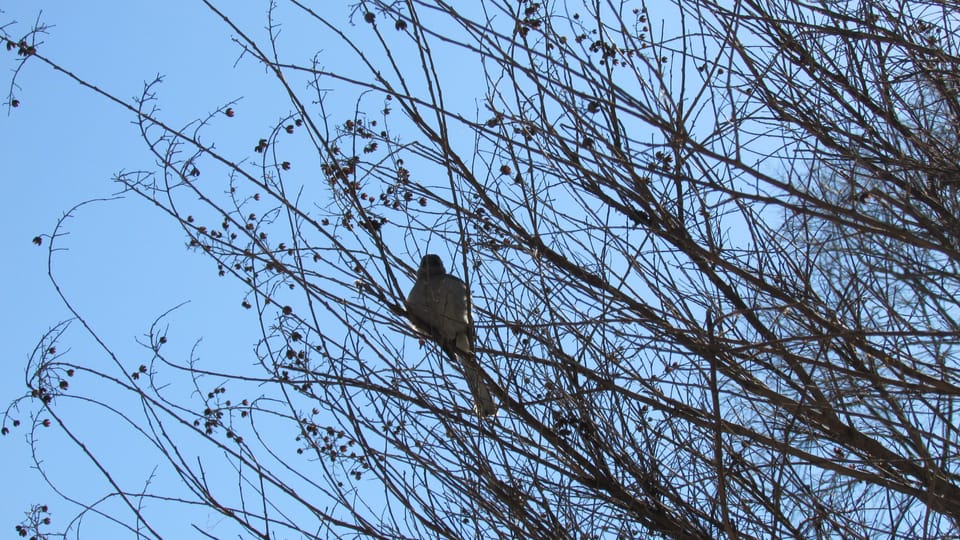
439 306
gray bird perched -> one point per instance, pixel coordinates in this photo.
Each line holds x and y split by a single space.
438 306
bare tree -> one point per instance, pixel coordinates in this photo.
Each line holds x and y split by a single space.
713 255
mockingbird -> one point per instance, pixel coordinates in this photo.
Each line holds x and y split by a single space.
438 306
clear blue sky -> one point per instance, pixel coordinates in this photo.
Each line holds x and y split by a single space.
126 263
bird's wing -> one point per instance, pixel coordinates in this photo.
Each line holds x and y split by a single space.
458 329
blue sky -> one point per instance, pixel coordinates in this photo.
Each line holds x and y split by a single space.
125 262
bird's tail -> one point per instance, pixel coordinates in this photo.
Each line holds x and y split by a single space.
483 403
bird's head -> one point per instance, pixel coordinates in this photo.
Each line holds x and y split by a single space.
430 266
